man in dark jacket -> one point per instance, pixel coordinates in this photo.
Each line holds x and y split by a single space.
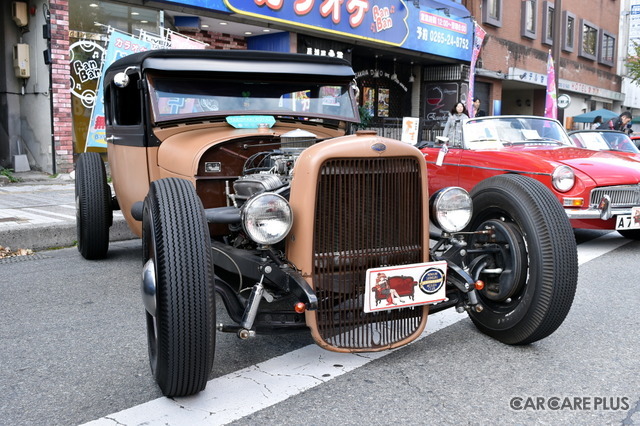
619 123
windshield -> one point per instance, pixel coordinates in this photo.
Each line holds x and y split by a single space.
178 97
498 132
600 141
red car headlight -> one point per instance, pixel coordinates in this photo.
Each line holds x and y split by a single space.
563 178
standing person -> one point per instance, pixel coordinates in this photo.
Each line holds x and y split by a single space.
453 127
597 122
477 112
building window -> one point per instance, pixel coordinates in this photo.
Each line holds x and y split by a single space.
547 23
569 30
607 48
492 12
588 40
529 20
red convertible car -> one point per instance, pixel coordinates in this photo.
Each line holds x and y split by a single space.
598 189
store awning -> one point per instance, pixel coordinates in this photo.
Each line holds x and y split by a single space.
588 117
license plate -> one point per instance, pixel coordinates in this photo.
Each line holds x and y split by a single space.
394 287
629 221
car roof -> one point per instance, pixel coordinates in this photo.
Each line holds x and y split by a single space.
236 61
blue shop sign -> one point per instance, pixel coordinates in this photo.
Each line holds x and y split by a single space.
433 27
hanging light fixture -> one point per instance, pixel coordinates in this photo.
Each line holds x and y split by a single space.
411 77
376 73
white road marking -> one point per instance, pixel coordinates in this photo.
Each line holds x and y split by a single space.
601 245
243 392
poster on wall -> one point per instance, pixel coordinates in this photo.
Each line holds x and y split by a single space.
383 102
369 99
410 130
440 99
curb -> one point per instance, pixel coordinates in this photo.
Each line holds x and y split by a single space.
52 236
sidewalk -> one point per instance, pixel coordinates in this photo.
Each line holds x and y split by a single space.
38 213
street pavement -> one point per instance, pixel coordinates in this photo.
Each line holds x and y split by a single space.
38 213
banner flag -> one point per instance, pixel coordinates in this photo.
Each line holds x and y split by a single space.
120 45
478 38
551 101
179 41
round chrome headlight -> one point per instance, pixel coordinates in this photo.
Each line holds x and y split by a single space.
451 209
563 178
267 218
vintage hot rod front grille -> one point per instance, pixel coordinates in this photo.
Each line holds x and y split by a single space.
368 214
621 196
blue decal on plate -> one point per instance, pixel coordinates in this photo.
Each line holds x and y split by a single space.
431 281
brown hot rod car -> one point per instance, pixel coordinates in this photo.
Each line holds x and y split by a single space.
245 177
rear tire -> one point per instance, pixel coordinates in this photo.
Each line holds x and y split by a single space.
94 215
537 253
177 254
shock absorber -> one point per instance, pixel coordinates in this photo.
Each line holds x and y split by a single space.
251 310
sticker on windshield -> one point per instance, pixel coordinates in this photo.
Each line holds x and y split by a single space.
530 134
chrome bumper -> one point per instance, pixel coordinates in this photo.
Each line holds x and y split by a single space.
603 211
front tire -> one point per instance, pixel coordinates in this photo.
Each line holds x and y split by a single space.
94 215
178 265
536 251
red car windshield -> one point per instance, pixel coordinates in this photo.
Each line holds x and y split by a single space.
498 132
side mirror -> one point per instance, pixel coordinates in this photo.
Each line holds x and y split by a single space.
121 79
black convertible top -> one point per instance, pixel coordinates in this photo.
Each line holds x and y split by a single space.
237 61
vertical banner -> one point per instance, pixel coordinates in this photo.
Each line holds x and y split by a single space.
551 101
120 45
478 38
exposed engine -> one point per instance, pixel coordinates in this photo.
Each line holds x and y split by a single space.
271 170
266 171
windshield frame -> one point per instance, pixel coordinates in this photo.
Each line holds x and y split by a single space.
201 95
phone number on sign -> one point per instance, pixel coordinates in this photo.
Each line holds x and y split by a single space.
442 38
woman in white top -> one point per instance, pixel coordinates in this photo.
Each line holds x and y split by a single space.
453 127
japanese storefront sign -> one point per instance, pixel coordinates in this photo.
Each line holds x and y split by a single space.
410 130
430 27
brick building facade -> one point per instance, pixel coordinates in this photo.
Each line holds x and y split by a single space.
518 43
